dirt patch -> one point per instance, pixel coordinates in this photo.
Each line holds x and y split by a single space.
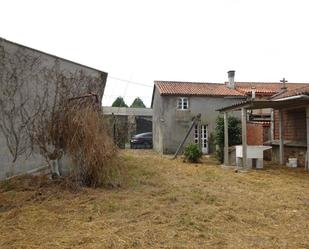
163 203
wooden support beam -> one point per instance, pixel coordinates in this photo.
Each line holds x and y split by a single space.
244 136
226 139
307 124
194 121
272 126
281 137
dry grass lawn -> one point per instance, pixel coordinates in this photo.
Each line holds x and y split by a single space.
162 204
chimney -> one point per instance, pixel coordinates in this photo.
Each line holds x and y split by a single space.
231 83
253 89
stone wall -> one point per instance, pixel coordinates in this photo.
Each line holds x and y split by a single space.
170 125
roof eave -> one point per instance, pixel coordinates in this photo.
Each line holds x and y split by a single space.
202 95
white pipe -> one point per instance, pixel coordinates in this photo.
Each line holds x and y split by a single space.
293 97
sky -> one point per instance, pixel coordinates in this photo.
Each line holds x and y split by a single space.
139 41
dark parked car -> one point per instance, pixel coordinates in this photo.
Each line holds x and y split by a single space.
141 141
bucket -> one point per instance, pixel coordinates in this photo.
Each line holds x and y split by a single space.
292 163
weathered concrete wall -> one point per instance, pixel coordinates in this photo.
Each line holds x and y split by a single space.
117 126
170 125
158 120
126 126
33 80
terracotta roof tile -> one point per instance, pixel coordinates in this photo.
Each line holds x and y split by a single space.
266 88
195 88
304 90
217 89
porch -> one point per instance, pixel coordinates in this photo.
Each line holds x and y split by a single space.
289 128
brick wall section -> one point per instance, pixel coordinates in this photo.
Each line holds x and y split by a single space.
257 133
294 123
296 152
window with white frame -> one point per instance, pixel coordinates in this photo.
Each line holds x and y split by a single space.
182 103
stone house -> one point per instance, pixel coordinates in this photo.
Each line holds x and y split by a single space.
176 103
30 78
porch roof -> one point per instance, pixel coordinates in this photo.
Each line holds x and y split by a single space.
292 101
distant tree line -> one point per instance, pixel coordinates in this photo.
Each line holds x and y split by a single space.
137 103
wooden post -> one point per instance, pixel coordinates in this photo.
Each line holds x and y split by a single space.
281 137
199 133
272 127
307 123
194 121
244 136
226 139
114 128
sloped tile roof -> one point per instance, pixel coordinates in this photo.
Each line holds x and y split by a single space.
304 90
217 89
266 88
195 88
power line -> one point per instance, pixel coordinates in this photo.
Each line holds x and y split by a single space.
116 95
129 81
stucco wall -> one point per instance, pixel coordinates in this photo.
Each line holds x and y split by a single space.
170 125
157 122
94 81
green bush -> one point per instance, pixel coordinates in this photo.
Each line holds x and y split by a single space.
192 153
234 134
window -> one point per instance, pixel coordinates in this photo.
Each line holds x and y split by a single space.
182 103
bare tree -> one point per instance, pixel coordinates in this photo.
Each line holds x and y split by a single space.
15 72
48 130
35 98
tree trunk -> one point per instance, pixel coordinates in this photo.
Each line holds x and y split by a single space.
12 169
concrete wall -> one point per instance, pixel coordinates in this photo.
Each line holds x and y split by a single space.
33 79
158 120
126 126
108 110
170 125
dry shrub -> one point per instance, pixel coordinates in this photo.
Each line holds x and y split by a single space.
74 127
91 149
